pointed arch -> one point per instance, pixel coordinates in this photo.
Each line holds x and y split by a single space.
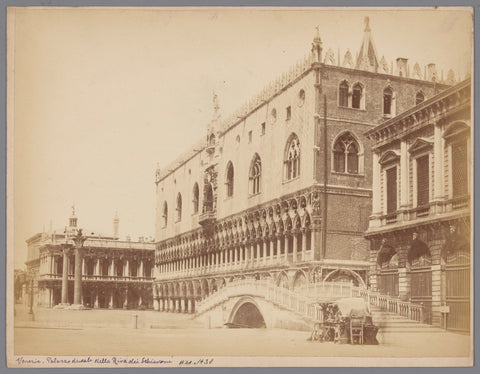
347 154
419 97
255 175
229 179
195 198
388 101
292 157
164 214
343 89
358 96
179 207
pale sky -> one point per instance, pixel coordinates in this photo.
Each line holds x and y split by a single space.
103 94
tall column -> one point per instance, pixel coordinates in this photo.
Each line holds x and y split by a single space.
286 238
304 243
279 245
272 241
404 166
140 271
127 268
265 244
77 288
439 182
295 244
112 268
65 277
376 202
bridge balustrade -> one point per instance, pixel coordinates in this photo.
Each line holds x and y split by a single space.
301 301
390 304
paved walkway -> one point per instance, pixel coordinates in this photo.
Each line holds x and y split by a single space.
68 332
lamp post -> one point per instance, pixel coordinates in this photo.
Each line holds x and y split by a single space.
78 241
31 315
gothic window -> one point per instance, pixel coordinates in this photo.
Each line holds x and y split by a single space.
229 179
346 155
179 207
357 96
422 181
387 101
165 214
195 198
292 158
419 98
459 169
391 176
343 94
255 175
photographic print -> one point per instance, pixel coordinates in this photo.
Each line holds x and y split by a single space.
199 187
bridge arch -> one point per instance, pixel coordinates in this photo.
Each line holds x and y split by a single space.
340 274
247 312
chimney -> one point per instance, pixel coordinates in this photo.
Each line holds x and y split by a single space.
432 73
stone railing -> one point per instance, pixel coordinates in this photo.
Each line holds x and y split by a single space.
101 278
301 301
390 304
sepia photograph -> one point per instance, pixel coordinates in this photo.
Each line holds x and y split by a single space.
239 187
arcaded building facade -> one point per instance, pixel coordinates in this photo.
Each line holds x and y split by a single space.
282 189
420 225
113 273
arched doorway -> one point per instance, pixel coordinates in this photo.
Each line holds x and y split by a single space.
249 316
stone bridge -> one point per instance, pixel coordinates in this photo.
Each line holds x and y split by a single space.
261 303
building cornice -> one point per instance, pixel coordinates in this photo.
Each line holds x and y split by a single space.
434 108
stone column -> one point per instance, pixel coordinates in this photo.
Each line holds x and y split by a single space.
272 241
404 183
112 268
295 244
376 202
190 305
287 245
182 305
95 303
316 242
403 284
77 289
279 245
125 301
439 182
304 243
65 277
264 250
